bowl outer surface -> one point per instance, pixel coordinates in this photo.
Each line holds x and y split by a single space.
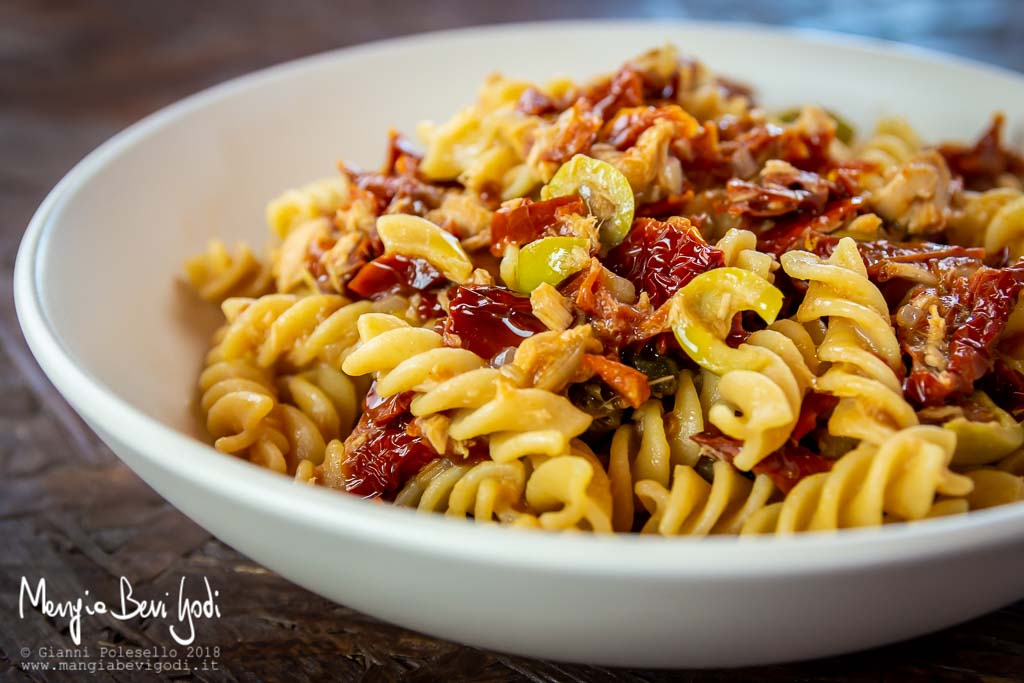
95 292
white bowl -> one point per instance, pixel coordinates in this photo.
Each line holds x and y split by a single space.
95 293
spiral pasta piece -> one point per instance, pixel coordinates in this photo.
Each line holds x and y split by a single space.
762 382
235 399
761 408
1013 463
897 480
1006 229
739 250
485 144
218 274
299 330
685 419
647 449
994 487
859 343
294 207
993 219
243 414
694 507
653 457
328 397
569 492
620 477
488 491
479 400
414 236
893 143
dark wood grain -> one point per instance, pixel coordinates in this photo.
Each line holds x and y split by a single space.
73 73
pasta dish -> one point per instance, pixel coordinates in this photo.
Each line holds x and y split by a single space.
642 303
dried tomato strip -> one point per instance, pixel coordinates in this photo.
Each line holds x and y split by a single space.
381 453
973 326
786 466
982 164
395 274
530 220
660 257
487 320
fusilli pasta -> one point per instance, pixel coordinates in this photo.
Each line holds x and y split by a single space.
641 303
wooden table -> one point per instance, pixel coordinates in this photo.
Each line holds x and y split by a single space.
71 74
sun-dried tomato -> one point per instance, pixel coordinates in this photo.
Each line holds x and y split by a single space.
814 407
487 320
738 332
615 324
786 466
398 187
628 382
778 193
810 232
976 309
995 294
984 163
381 409
395 274
623 130
660 257
733 88
402 158
1006 386
737 148
401 194
381 454
535 103
367 248
380 457
877 255
428 307
624 89
791 463
531 220
574 133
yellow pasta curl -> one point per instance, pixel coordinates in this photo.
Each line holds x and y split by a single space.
293 208
693 507
763 381
897 480
685 419
489 491
894 142
860 343
994 487
217 274
569 492
479 400
485 144
993 219
328 397
243 415
298 330
739 250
